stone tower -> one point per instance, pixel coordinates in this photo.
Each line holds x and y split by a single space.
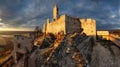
55 12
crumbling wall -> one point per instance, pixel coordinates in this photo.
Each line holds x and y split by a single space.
23 44
103 34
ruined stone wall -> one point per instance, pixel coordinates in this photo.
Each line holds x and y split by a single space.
55 26
89 26
72 25
22 44
102 33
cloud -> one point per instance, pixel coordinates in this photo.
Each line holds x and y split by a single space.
119 12
31 13
3 25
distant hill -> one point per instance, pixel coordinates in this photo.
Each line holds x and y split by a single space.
115 31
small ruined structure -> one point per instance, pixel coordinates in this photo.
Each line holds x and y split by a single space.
103 34
100 33
66 24
22 47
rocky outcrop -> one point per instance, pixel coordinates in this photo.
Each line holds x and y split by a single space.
64 53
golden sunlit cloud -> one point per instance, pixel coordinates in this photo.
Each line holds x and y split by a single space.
4 27
15 29
0 19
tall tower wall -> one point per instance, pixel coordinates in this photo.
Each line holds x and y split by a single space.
55 12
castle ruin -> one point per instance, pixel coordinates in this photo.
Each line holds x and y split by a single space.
67 24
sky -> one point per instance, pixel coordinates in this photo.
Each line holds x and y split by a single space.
27 14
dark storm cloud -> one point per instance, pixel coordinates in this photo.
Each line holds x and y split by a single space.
31 13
